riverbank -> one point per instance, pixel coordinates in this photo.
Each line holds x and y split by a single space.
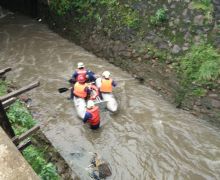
52 155
41 155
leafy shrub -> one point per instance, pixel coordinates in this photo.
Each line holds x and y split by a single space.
114 14
22 120
61 6
125 17
159 17
35 157
205 5
20 117
206 2
199 69
201 65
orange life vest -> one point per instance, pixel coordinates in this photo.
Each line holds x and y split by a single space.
79 90
106 85
95 115
81 72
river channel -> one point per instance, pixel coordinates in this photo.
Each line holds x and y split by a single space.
148 138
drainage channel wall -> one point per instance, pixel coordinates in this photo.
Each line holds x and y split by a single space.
12 163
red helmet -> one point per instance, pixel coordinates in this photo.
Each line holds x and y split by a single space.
81 79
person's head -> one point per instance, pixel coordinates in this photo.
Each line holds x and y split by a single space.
90 104
106 74
81 79
80 65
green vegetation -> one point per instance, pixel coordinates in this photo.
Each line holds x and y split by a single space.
61 6
21 121
199 70
36 158
126 17
159 17
206 6
101 11
200 65
152 52
3 88
20 118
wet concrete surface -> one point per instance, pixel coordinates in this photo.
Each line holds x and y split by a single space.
12 163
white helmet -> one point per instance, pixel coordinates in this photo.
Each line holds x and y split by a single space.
90 104
80 65
106 74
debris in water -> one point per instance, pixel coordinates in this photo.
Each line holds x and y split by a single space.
99 168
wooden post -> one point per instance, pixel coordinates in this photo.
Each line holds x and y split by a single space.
23 145
8 102
19 91
3 71
18 139
4 122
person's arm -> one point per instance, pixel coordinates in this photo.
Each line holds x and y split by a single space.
91 76
73 78
87 117
114 83
75 74
88 90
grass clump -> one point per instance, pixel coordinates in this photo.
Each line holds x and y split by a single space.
110 13
3 88
21 121
36 158
20 118
199 70
61 6
206 6
159 17
201 65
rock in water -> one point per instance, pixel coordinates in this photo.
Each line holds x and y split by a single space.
101 165
104 170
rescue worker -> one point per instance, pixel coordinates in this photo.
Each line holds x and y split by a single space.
80 88
106 83
92 115
81 70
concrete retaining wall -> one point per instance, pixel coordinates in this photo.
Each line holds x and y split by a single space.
12 164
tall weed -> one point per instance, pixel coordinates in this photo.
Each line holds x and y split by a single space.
201 65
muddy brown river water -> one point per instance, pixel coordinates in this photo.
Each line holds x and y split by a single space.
147 139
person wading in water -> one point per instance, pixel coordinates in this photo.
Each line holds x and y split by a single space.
92 115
